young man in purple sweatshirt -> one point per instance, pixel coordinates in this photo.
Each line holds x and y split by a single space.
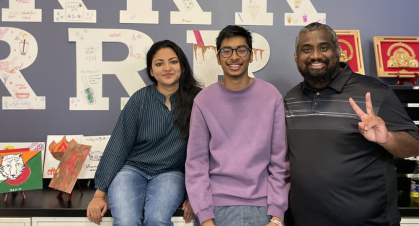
237 169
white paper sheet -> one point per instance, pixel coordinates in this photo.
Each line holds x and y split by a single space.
254 12
22 11
304 14
98 144
51 163
90 66
139 11
23 52
74 11
189 13
205 65
33 146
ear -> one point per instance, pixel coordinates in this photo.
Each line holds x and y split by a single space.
151 72
338 51
295 58
251 56
218 58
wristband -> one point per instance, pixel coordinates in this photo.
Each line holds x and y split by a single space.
277 222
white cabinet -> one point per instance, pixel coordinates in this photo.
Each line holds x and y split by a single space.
15 221
409 221
68 221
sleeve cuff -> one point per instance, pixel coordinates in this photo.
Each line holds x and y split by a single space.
276 211
206 214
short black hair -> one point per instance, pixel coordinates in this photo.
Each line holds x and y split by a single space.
234 30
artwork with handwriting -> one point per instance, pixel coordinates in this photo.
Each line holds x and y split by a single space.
70 166
22 11
74 11
20 170
56 145
23 52
98 144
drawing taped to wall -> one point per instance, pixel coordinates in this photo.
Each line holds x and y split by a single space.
23 52
254 13
205 65
304 14
56 146
189 13
22 11
74 11
20 171
69 167
91 67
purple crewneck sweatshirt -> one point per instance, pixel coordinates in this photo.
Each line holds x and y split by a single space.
237 150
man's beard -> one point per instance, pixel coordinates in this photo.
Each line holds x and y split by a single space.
320 76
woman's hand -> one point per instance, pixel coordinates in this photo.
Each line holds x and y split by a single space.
97 207
188 214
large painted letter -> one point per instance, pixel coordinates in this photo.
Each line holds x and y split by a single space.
90 66
189 13
22 11
205 65
23 52
74 11
254 13
304 13
139 11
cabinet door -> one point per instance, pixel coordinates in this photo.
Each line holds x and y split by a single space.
409 221
15 221
66 221
178 221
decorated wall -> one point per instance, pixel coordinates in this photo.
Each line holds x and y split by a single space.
69 66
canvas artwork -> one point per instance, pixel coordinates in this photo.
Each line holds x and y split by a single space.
33 146
20 170
55 147
69 168
98 144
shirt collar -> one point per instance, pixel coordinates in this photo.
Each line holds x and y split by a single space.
338 82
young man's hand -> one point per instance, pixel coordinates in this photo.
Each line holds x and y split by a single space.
208 223
188 214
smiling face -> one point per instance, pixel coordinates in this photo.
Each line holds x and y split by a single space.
234 66
165 68
317 58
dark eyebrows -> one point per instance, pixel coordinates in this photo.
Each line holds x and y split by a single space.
173 58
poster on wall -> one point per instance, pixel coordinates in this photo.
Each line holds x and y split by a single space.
98 144
20 170
303 14
33 146
397 56
74 11
55 148
69 167
139 11
254 12
189 13
205 65
91 67
21 11
23 52
351 50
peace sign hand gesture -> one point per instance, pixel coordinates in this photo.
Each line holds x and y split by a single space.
372 127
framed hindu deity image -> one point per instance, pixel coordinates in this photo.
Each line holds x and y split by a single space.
397 56
351 50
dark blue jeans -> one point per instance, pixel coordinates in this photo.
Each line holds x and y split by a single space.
137 199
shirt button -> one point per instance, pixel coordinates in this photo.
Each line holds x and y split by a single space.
315 103
318 93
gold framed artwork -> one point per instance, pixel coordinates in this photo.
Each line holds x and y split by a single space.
351 50
397 56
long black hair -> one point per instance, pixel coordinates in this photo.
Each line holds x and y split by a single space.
188 86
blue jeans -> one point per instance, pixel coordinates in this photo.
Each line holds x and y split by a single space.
137 199
239 216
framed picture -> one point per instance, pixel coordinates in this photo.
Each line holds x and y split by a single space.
397 56
351 50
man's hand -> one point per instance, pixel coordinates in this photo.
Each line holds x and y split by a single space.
188 214
96 210
372 127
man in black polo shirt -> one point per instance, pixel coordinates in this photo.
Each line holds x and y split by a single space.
341 149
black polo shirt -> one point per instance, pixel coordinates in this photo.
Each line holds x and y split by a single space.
338 177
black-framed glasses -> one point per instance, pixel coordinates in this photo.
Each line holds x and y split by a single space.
241 51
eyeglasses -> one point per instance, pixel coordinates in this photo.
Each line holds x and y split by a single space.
241 51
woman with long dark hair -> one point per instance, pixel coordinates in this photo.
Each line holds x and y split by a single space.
142 167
